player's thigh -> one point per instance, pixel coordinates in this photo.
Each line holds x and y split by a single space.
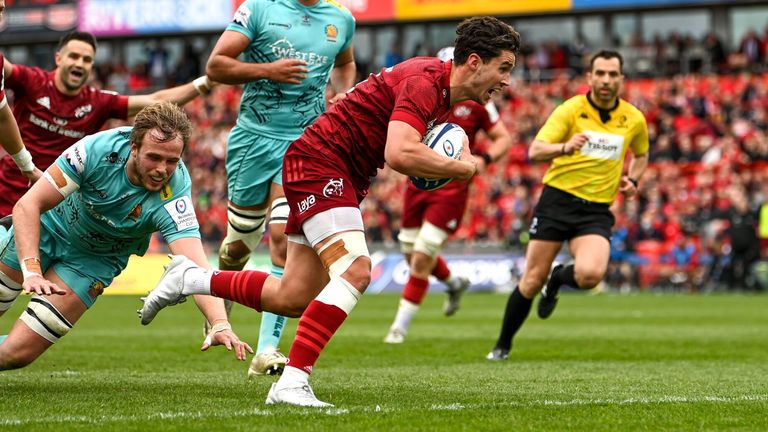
538 261
253 164
591 253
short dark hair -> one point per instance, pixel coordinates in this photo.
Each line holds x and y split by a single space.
77 35
485 36
607 54
167 118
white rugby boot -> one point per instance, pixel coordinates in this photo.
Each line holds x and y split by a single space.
171 289
301 395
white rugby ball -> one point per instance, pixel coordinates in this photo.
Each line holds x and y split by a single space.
445 139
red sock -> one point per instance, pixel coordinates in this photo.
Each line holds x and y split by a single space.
243 287
415 289
441 270
316 327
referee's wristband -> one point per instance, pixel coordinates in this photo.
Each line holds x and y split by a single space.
633 181
486 158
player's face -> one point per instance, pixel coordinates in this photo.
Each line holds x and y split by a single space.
152 164
2 9
493 76
605 80
75 62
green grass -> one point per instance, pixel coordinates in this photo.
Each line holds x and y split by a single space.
601 363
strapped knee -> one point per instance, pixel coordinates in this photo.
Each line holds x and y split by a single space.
430 240
245 226
44 319
342 250
279 211
407 237
9 290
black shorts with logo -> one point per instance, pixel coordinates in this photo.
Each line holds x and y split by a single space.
560 216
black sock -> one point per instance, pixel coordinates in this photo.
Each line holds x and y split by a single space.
566 277
515 314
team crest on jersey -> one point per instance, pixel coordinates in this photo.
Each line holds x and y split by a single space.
622 122
82 111
462 111
44 101
331 33
96 289
334 187
166 193
135 213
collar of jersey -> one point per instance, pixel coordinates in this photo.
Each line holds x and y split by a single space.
605 114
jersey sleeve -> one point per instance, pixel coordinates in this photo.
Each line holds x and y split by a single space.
176 218
415 100
557 126
245 20
117 103
24 77
75 161
640 144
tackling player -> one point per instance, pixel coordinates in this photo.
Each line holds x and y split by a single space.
100 202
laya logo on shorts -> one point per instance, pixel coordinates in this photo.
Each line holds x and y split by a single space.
334 187
307 203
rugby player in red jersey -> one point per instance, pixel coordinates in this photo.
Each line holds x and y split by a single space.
326 174
430 217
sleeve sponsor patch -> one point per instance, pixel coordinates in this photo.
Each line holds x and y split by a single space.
182 212
75 157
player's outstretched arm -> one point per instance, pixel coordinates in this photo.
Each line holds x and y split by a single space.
501 142
43 196
178 95
212 308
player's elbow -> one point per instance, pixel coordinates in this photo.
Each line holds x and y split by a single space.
215 70
396 160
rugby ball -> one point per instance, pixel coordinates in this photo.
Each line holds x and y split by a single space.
447 140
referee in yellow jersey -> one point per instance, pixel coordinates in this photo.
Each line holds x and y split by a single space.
586 139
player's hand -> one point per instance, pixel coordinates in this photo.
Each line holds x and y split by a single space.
32 176
575 143
289 71
469 161
336 98
626 187
41 286
225 336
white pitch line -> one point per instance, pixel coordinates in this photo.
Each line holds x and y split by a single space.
457 406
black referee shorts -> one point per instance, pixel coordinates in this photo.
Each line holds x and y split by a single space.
560 216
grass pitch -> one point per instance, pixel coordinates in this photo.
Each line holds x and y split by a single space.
600 363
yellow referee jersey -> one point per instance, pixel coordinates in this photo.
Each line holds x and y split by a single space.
593 173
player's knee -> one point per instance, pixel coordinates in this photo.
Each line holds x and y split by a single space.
15 359
278 245
43 318
421 263
532 283
430 240
244 232
588 278
9 291
345 255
